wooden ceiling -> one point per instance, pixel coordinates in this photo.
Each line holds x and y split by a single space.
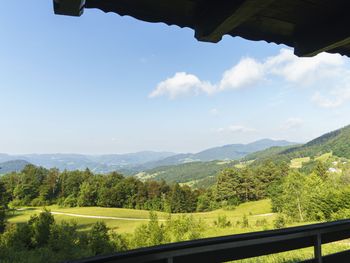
309 26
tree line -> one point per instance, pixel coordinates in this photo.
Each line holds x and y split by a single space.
37 186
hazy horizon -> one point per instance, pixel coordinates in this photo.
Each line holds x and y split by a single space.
150 150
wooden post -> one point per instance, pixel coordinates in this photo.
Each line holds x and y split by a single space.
318 249
69 7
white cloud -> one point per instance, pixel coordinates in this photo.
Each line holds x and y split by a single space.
317 72
303 70
246 73
181 84
292 123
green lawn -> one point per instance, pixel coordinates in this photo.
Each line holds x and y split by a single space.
298 162
257 210
253 210
324 157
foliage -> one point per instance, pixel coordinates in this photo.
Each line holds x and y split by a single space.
222 221
39 187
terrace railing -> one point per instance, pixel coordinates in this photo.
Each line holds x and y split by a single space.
242 246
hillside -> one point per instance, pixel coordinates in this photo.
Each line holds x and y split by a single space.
12 166
267 153
197 174
337 142
226 152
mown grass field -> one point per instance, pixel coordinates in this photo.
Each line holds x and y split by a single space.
254 211
298 162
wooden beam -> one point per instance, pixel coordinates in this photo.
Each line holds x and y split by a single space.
322 37
220 18
69 7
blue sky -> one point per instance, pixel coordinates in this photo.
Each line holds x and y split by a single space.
103 83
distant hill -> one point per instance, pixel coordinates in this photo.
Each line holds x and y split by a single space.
226 152
132 163
337 142
12 166
96 163
197 174
267 153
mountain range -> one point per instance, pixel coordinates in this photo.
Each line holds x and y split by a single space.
203 174
135 162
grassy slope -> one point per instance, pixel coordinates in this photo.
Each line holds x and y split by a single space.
250 209
188 172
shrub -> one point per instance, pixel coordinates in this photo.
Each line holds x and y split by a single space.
70 201
280 221
245 222
222 222
261 222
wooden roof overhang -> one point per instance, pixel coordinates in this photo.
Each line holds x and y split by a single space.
309 26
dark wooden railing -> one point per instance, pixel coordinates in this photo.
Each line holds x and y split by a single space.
221 249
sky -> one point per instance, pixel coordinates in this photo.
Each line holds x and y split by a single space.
103 83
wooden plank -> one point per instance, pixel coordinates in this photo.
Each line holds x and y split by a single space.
69 7
224 21
318 249
322 37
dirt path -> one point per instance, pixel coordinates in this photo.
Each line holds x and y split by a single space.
268 214
101 217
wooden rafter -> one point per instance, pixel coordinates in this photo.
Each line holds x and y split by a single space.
227 20
69 7
322 37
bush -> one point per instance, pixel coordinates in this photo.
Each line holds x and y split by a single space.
222 222
261 222
38 202
341 214
70 201
245 222
280 221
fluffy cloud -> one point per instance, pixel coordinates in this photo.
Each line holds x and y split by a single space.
246 73
292 123
181 84
303 70
317 72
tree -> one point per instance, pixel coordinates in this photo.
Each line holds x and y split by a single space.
98 239
41 226
321 170
3 206
294 196
87 194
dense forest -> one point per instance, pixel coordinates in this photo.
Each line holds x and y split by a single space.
37 186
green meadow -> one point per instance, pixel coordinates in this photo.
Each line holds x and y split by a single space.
132 218
258 214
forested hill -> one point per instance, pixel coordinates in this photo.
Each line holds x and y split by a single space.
226 152
12 166
337 142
